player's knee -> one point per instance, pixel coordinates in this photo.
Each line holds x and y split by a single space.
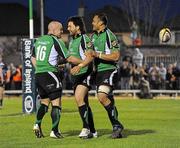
101 99
80 102
104 89
55 102
45 101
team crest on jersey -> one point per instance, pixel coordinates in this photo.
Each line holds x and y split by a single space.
114 43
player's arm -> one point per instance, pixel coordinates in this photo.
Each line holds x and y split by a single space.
89 58
87 45
33 59
114 48
88 52
63 52
73 60
114 56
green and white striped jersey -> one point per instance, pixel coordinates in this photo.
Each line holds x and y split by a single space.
77 48
47 51
105 42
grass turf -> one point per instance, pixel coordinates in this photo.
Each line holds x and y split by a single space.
148 124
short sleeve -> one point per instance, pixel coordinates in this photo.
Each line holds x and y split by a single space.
86 43
61 48
114 44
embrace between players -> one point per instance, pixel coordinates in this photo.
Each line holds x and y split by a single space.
97 55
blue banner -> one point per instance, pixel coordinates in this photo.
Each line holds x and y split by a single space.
28 84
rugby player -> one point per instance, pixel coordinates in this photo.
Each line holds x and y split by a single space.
47 51
80 47
106 53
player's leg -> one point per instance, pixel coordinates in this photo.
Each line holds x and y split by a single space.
54 93
90 114
1 96
80 93
105 96
111 111
90 118
108 104
55 116
42 110
44 102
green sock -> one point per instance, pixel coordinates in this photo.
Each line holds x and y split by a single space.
90 120
83 111
1 102
112 113
55 116
40 113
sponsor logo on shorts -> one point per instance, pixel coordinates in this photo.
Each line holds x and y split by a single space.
50 86
106 81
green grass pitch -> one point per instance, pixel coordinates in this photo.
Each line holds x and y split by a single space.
148 124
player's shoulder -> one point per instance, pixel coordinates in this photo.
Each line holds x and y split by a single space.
111 34
44 38
58 40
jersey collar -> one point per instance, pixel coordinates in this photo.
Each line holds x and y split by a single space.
78 35
53 35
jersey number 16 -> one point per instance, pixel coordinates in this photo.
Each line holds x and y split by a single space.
41 53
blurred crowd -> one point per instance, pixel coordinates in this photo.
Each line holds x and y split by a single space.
13 77
158 76
131 73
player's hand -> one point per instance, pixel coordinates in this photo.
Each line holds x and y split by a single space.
95 54
75 70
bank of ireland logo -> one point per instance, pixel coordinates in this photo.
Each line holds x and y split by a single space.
28 104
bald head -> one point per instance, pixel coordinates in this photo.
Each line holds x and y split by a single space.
55 28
